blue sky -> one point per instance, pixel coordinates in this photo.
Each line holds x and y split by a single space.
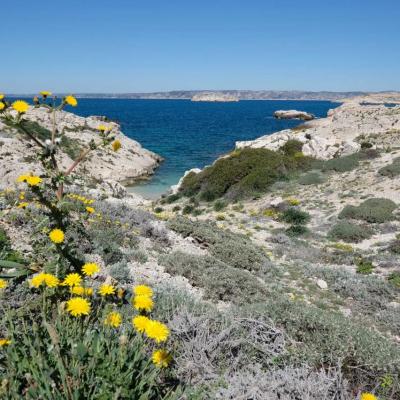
148 45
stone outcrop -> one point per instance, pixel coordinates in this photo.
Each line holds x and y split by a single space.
341 133
214 97
293 114
17 154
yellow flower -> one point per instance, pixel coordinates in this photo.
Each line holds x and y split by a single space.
161 358
22 196
157 331
106 290
45 93
113 319
4 342
20 106
22 178
90 210
73 279
24 204
78 290
37 280
90 269
103 128
1 96
368 396
140 322
143 303
116 145
50 280
71 100
78 306
89 291
2 106
142 290
33 180
56 236
3 284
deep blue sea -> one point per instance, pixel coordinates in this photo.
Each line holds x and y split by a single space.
192 134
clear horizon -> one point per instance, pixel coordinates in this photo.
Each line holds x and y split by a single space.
130 47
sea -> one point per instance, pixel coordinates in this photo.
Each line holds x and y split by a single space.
193 134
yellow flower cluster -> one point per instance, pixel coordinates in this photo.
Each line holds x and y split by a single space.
153 329
3 283
2 106
31 180
42 278
83 199
292 201
103 128
45 93
81 291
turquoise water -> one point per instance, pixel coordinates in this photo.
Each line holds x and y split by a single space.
192 134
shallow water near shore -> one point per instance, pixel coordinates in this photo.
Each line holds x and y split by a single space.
193 134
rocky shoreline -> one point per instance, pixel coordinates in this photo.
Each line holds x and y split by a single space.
130 163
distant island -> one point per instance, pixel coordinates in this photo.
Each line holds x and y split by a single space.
239 94
215 97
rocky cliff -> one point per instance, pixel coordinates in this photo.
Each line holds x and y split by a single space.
17 155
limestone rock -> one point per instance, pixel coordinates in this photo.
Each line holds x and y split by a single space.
293 114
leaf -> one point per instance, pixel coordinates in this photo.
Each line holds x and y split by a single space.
10 264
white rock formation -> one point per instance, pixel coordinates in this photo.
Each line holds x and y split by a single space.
340 133
17 154
293 114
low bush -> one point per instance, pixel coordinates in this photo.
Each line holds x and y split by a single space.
219 280
294 216
242 174
219 205
291 147
341 164
231 248
349 232
394 246
188 209
394 279
311 178
296 230
392 169
376 210
364 267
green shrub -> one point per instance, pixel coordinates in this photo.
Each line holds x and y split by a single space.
341 164
158 210
242 174
176 208
349 232
296 230
377 210
394 246
172 198
391 170
188 209
219 280
311 178
294 216
364 267
394 278
325 338
291 147
219 205
231 248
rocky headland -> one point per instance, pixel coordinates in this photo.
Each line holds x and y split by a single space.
17 155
